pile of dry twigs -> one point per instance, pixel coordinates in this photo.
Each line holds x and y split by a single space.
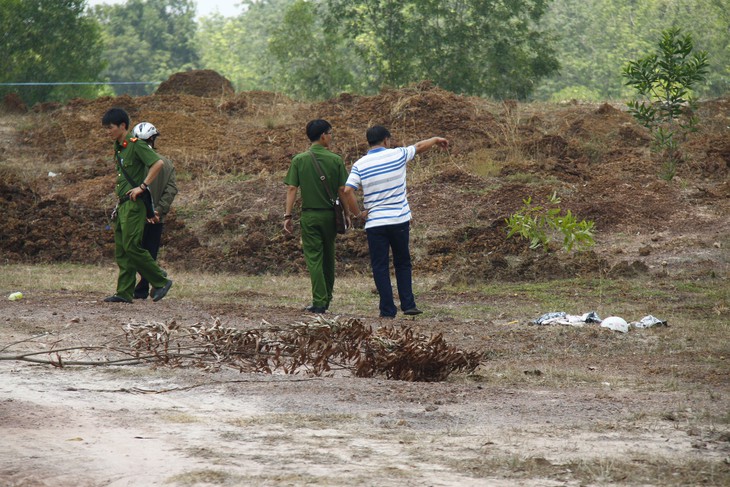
316 348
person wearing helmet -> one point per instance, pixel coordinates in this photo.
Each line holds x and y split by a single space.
163 190
137 166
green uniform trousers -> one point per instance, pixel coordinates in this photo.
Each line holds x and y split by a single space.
131 257
318 244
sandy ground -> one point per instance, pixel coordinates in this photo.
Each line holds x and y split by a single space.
138 425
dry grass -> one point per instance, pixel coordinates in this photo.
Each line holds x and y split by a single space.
295 421
605 471
648 387
204 477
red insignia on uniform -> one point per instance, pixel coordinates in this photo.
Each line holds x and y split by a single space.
124 144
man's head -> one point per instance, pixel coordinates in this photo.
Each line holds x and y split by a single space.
317 128
116 121
376 135
115 116
147 132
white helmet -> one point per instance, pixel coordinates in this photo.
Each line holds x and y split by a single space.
144 131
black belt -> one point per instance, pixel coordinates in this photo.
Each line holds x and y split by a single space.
318 209
123 199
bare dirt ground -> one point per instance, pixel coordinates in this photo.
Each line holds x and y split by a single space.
524 417
549 406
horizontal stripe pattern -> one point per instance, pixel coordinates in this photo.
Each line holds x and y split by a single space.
381 174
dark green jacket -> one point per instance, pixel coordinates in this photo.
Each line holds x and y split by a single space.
164 188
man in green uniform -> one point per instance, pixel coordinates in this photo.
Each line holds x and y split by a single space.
317 219
142 165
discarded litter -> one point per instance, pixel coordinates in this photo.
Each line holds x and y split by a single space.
52 174
615 323
562 318
15 296
648 322
549 318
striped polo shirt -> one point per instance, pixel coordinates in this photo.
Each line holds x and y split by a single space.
381 174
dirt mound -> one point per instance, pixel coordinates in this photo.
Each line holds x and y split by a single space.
419 111
12 103
596 158
203 83
51 230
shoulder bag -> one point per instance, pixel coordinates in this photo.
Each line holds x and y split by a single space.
340 220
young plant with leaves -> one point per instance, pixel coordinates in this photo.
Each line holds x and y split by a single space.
539 223
664 81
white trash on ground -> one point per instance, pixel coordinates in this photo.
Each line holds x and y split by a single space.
615 323
562 318
648 322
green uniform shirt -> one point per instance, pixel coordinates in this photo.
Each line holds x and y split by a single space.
136 157
304 175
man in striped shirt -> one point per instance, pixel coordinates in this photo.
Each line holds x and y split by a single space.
381 174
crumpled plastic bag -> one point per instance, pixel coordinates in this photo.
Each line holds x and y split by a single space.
649 321
549 318
616 323
562 318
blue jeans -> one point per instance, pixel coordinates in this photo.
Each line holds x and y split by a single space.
381 240
151 242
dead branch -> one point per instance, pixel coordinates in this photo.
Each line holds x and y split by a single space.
34 337
317 348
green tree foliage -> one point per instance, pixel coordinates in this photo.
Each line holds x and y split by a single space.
312 62
598 37
147 40
48 41
238 47
664 81
480 47
485 47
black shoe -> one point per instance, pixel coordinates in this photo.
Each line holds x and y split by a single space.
160 293
412 312
316 309
116 299
140 295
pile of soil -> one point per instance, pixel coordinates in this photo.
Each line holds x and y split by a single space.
12 103
205 83
231 151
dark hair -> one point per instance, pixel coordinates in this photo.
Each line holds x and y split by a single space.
377 134
115 116
316 128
